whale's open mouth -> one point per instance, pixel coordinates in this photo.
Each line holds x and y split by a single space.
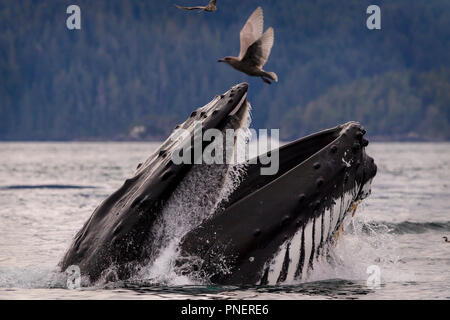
267 229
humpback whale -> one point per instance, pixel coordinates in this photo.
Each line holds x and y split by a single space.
267 230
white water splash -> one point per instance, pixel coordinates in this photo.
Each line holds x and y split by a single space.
361 247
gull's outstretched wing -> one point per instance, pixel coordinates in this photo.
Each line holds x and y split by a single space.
212 2
190 8
251 31
258 53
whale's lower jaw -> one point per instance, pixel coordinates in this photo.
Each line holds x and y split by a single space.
296 257
294 260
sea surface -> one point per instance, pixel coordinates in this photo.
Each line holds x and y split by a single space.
48 190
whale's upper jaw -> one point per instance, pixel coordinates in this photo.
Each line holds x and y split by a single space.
117 230
215 113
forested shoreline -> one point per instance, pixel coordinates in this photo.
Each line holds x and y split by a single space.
145 64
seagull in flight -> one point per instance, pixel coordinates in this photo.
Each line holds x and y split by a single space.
255 48
211 7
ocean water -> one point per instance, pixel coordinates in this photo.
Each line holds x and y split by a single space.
48 190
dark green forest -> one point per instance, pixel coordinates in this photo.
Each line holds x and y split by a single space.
146 63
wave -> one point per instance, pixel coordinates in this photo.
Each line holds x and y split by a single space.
45 186
406 227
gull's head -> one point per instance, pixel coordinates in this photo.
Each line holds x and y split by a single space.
232 61
227 59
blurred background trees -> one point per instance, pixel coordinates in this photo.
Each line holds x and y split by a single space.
145 64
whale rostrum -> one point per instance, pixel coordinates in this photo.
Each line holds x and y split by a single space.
269 228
